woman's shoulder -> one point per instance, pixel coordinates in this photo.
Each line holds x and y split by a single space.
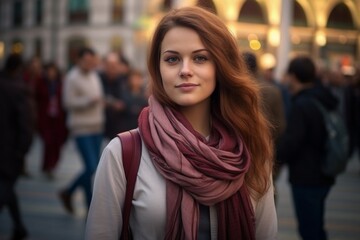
114 150
111 154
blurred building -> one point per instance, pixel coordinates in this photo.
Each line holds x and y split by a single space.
328 30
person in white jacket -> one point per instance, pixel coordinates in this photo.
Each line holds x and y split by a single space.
206 160
83 100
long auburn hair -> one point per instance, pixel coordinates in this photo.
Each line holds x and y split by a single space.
236 99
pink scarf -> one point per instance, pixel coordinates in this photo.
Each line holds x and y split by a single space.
198 171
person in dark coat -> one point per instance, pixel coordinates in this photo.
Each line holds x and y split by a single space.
51 122
16 129
302 147
114 84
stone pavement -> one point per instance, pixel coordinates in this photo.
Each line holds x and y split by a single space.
46 219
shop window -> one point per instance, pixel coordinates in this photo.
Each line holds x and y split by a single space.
340 18
78 11
118 10
17 13
251 12
299 17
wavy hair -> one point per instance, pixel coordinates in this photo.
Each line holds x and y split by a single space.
236 99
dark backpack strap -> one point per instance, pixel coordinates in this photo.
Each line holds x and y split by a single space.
131 154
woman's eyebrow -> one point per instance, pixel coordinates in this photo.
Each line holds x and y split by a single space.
196 51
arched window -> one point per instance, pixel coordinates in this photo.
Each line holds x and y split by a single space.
18 13
340 17
251 12
299 17
38 12
207 4
78 11
118 10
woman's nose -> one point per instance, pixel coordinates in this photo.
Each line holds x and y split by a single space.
185 70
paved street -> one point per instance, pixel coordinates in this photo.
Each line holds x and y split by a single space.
46 219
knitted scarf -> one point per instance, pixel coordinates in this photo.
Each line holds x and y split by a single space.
197 170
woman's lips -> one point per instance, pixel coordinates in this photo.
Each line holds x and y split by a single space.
187 86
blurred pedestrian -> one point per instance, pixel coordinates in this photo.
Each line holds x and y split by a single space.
272 105
352 111
114 84
16 129
302 147
135 99
31 75
206 159
50 116
268 75
272 102
83 100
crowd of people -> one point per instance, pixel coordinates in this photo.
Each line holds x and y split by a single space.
216 131
90 103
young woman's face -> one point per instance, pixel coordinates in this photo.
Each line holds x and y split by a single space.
187 68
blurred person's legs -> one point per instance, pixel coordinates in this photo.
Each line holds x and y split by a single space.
8 198
51 156
89 148
309 203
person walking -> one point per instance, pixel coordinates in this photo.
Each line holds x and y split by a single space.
51 124
206 160
83 100
16 127
114 84
302 147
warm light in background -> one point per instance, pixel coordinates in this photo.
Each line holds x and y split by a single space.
2 49
153 22
17 48
274 37
267 61
231 14
295 40
343 39
232 28
320 38
255 45
274 12
252 36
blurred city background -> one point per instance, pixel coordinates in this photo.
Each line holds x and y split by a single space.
328 30
44 31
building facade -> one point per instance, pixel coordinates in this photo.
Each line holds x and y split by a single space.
328 30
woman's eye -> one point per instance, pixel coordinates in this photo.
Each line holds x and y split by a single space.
171 59
200 59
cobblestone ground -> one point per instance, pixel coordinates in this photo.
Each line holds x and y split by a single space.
46 220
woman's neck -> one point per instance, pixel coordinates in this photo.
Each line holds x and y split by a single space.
199 118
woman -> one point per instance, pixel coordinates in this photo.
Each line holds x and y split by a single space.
51 117
205 171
